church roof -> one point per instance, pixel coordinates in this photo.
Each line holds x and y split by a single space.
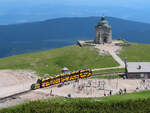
103 22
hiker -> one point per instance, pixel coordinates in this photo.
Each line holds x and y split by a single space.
105 94
51 92
69 95
120 91
110 93
125 90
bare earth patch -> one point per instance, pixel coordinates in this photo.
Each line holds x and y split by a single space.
15 81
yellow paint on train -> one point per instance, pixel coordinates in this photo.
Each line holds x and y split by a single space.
61 78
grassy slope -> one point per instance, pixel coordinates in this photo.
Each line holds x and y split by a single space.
52 61
114 104
136 53
72 57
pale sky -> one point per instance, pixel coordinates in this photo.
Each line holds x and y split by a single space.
128 9
127 3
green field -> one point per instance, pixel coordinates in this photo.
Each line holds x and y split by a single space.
73 57
53 61
127 103
136 53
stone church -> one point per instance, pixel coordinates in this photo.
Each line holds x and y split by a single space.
103 32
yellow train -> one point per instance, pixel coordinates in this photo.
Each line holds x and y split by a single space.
61 78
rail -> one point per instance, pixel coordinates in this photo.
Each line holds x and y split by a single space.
3 99
110 73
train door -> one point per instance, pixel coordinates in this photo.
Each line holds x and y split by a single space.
57 80
63 77
72 76
52 81
43 83
77 74
67 76
82 74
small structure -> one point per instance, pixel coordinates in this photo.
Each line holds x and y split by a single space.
103 32
65 70
138 70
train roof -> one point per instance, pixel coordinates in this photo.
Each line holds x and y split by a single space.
63 74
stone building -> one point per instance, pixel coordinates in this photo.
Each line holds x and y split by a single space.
103 32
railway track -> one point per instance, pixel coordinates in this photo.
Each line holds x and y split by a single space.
13 96
110 73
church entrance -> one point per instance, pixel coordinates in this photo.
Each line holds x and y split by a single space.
105 40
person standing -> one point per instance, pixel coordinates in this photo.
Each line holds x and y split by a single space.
125 90
110 93
51 92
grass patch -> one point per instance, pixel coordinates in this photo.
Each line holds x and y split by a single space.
129 96
136 52
53 61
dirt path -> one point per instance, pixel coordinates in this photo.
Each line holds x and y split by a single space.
117 58
111 49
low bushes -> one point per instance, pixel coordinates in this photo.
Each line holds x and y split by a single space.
82 106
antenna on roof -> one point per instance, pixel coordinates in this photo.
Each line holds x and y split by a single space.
103 17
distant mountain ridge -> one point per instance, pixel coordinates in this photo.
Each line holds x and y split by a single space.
54 33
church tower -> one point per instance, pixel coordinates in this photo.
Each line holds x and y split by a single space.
103 32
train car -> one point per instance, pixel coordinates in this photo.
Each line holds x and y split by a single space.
61 78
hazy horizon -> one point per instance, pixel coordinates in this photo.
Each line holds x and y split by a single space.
20 11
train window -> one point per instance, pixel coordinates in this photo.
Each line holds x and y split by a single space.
49 80
77 73
46 80
65 76
73 74
39 81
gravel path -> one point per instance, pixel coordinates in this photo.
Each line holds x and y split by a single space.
117 58
110 49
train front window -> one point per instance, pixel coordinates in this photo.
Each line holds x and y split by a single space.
39 81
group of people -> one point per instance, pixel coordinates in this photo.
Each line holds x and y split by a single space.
110 93
124 91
